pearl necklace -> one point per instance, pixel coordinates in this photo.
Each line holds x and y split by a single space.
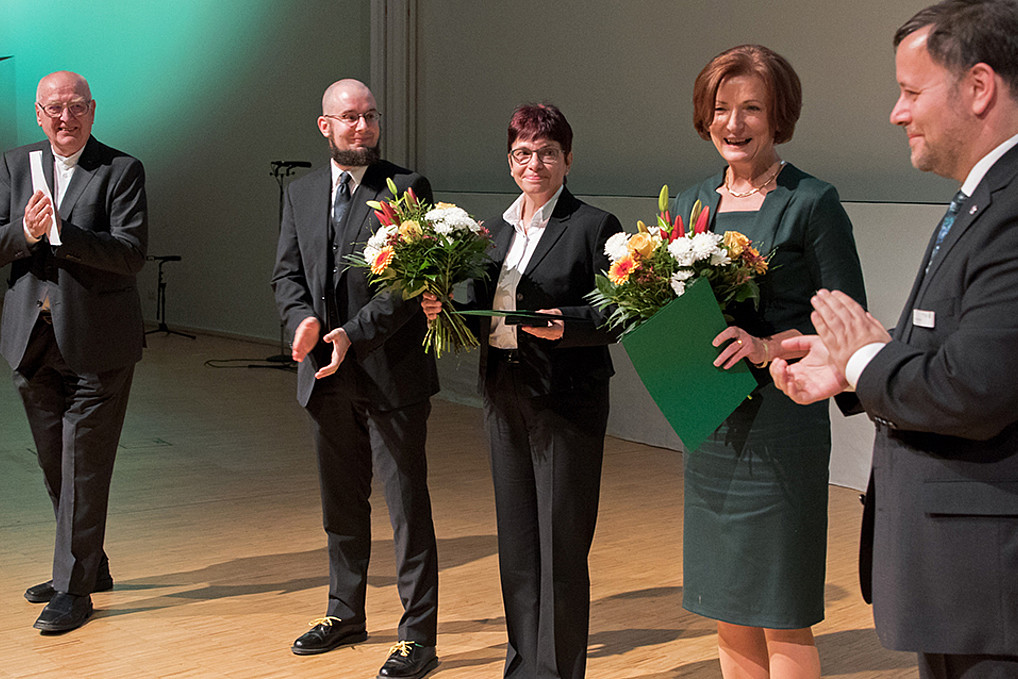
747 194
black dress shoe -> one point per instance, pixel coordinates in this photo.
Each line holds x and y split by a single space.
408 660
64 612
43 592
326 634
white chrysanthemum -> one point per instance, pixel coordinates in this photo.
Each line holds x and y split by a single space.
448 220
678 285
378 240
681 249
704 244
682 275
370 253
720 258
615 247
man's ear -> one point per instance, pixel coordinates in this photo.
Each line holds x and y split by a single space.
983 85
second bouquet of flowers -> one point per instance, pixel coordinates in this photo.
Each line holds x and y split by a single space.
423 248
653 266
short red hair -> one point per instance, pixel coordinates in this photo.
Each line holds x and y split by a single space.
540 121
778 76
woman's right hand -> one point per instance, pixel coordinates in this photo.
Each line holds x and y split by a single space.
740 345
431 305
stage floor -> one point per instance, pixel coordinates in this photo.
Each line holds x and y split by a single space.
218 553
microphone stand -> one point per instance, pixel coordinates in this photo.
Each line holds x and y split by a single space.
281 169
161 297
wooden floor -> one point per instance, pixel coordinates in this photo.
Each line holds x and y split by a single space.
218 554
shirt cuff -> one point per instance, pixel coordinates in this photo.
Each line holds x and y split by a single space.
860 359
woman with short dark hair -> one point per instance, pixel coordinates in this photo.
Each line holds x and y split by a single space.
545 391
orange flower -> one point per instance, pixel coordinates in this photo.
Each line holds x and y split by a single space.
382 260
410 230
736 243
621 269
752 257
642 244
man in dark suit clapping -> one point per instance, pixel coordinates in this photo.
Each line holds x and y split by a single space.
940 527
364 379
72 326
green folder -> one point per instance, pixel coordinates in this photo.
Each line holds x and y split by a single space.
673 355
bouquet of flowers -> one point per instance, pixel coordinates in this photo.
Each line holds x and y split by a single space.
653 266
423 248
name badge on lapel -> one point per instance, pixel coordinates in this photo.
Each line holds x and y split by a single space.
923 319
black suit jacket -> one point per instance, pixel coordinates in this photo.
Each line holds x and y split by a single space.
385 331
942 514
559 275
91 277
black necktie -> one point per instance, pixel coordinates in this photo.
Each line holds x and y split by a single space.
342 202
339 208
945 224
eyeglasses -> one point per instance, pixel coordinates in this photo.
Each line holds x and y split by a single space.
75 108
351 119
549 155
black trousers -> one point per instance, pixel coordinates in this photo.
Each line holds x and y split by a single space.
353 439
546 455
955 666
76 420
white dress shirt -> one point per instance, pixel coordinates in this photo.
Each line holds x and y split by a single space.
356 177
521 249
862 357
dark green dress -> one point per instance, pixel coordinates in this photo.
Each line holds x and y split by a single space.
755 526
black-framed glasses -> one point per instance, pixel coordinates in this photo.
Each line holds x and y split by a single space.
75 108
351 119
549 155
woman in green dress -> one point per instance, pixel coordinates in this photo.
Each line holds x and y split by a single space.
755 526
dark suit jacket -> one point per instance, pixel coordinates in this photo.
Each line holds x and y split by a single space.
943 507
90 278
385 331
559 274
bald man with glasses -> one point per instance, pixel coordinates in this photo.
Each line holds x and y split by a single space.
75 236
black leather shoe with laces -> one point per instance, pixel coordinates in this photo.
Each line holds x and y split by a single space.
408 660
326 634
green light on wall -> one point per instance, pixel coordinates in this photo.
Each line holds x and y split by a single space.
150 64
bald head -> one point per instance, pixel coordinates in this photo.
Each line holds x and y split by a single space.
56 96
344 91
349 121
64 80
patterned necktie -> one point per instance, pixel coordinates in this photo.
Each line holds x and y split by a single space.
945 225
339 208
342 201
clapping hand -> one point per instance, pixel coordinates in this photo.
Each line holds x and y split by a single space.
812 379
844 326
39 214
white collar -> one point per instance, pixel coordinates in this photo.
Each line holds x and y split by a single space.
515 212
68 161
356 175
980 169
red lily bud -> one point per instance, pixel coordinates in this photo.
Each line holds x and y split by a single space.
678 230
701 220
390 213
411 197
383 219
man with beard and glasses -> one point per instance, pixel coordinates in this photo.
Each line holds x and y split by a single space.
364 379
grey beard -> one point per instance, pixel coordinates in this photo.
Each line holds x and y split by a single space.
354 157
